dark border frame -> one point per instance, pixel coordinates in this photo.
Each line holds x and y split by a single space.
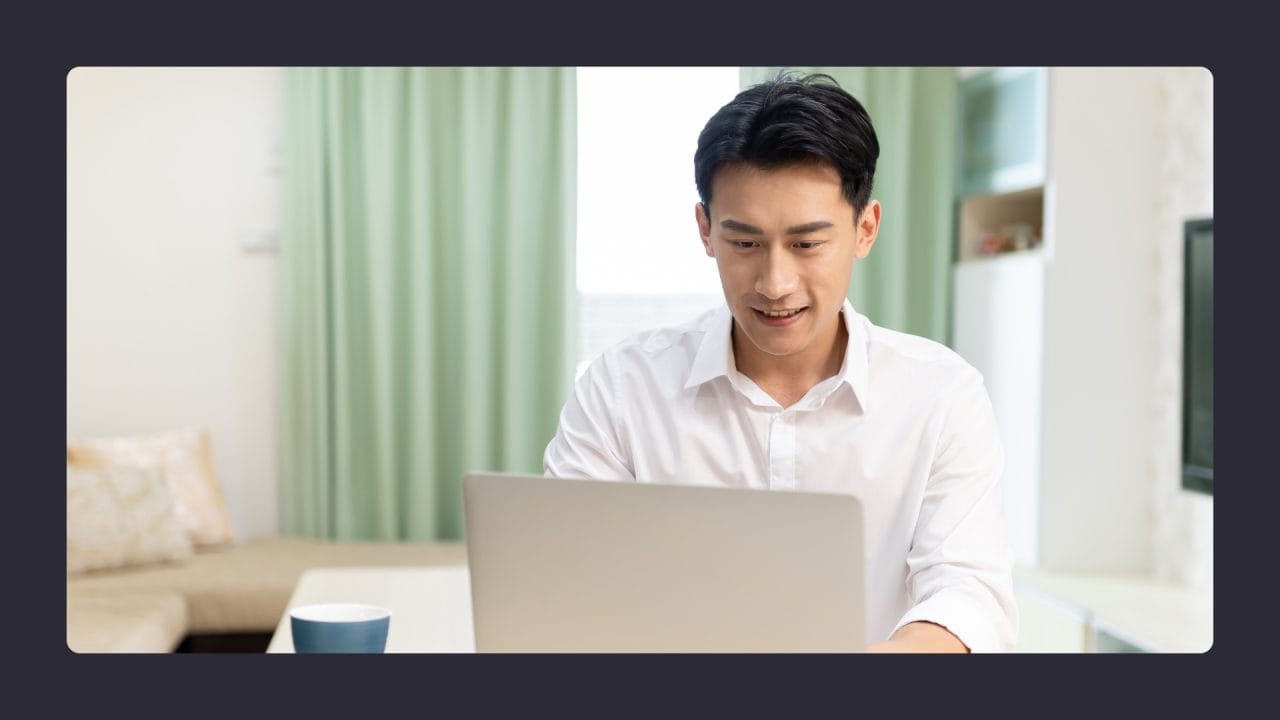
1195 478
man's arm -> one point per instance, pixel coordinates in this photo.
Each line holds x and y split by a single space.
920 637
960 565
588 442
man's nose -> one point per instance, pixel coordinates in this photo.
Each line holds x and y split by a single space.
777 276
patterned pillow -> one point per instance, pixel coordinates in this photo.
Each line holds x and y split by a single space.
186 461
120 516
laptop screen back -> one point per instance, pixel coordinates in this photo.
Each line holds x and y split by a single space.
590 566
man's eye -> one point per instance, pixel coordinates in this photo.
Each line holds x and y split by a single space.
744 244
807 245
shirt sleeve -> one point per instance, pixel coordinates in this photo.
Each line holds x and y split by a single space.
587 443
960 566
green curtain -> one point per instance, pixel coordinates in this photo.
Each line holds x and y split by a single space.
905 283
426 279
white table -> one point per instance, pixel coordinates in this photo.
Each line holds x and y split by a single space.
430 606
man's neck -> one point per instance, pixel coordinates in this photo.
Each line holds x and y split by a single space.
787 379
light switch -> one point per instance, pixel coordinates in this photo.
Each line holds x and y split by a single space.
259 240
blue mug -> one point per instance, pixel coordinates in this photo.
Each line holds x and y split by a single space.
339 628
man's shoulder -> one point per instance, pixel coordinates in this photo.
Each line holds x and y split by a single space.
671 348
916 355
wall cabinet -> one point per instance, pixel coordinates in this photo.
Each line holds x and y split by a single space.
1002 125
998 278
998 327
1065 330
1080 612
1062 325
1046 624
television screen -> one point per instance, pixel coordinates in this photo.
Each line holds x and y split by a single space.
1197 358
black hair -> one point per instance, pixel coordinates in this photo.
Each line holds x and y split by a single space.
791 119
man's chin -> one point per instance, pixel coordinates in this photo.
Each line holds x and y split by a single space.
780 352
772 346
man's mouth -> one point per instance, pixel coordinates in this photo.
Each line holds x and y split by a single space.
779 317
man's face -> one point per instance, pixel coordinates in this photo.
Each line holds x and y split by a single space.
785 241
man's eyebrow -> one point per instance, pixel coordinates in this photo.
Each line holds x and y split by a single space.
809 227
736 226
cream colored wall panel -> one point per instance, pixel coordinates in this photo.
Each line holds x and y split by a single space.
170 323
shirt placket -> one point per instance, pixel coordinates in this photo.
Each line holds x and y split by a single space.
782 451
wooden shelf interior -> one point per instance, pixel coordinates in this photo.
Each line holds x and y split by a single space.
982 214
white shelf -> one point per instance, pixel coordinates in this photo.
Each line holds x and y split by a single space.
1149 613
1038 253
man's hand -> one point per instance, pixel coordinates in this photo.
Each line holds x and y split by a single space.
920 637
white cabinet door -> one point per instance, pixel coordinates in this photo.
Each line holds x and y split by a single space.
997 326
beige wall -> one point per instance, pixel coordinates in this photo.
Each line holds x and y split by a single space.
1099 350
1183 520
1130 151
170 322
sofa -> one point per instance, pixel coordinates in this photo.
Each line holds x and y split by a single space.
229 599
154 564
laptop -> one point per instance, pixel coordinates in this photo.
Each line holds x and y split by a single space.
565 565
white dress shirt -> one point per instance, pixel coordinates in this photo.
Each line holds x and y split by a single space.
905 426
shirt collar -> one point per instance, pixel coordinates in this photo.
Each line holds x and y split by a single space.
715 353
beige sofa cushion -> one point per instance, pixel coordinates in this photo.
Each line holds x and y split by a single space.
125 622
246 587
186 458
119 516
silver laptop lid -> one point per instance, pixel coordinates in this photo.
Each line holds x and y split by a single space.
591 566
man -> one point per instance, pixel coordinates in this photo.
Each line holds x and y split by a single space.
787 387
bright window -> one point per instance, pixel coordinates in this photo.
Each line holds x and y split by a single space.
640 263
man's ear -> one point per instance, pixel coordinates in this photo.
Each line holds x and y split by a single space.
868 226
704 227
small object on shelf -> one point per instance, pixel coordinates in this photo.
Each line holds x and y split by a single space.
1022 236
1010 238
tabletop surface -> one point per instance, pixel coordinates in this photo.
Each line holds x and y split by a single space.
430 606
